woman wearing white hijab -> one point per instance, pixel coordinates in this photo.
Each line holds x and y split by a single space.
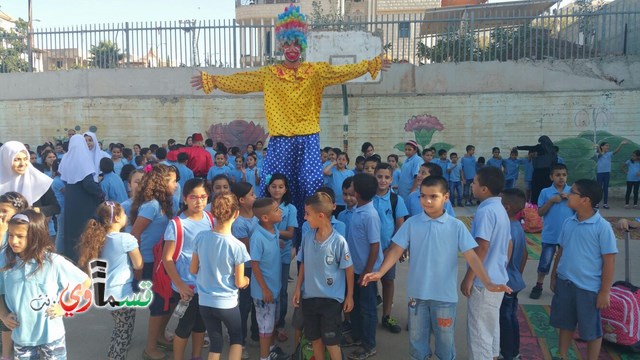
96 153
18 174
82 194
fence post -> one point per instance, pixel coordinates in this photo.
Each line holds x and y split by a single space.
235 53
473 37
126 32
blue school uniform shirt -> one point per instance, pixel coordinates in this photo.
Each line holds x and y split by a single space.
434 245
250 175
325 178
235 175
119 282
512 168
516 282
364 230
215 170
633 168
23 283
324 266
491 223
336 224
126 206
528 170
289 218
345 216
395 179
583 244
497 163
58 190
265 248
113 188
243 228
456 172
335 182
557 214
387 221
190 229
152 234
218 254
604 162
414 207
468 166
231 160
408 173
118 165
186 174
444 165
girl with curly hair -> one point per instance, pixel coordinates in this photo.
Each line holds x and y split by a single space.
152 208
102 239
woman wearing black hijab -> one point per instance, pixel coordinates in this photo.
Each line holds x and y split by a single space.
545 157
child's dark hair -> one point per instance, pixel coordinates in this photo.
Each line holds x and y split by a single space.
253 155
636 153
261 205
126 152
590 189
17 201
241 189
347 182
144 151
373 158
346 156
208 143
138 160
161 153
224 206
329 191
436 181
235 150
326 148
218 178
481 160
220 153
442 152
453 154
603 143
558 167
514 151
126 171
153 148
492 178
469 148
360 159
393 156
384 166
183 157
365 185
365 146
39 246
153 187
286 198
189 186
515 198
55 167
434 170
495 149
106 165
95 233
426 150
321 202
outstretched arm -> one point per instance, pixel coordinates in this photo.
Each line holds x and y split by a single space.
338 74
238 83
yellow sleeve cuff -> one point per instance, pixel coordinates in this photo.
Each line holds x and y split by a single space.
208 84
375 65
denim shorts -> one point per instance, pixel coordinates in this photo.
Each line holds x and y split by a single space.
428 317
571 305
546 257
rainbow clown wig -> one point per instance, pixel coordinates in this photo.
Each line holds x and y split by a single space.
291 27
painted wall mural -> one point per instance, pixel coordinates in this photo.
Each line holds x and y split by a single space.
423 128
237 133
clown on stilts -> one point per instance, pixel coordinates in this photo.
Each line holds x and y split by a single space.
292 102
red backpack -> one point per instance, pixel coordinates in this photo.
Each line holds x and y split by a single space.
620 321
160 278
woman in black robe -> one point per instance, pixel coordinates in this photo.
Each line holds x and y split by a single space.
545 157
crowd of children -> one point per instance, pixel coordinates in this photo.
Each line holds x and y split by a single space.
228 253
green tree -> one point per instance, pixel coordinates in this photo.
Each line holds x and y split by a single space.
455 46
106 55
13 48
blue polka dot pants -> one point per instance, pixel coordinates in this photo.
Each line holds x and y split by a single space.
298 158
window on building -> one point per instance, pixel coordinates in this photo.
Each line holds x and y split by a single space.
59 64
404 29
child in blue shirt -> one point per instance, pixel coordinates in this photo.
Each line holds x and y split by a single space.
632 168
391 218
364 245
496 160
392 160
251 173
552 206
336 172
325 278
512 169
266 270
603 169
468 162
443 162
513 201
111 184
237 174
102 239
219 166
490 228
583 271
32 271
185 173
350 203
337 225
413 202
456 178
435 238
409 169
58 189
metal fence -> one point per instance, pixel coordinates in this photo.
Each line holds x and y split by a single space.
439 36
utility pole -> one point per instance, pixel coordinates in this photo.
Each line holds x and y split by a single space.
30 37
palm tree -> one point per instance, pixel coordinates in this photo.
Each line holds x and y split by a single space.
106 55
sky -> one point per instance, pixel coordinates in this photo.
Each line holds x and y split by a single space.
57 13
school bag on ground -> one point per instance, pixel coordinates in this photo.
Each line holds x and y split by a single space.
621 320
160 278
532 220
304 351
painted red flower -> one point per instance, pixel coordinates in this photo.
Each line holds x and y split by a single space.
423 122
237 133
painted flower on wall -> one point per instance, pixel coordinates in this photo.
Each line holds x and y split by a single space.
237 133
424 127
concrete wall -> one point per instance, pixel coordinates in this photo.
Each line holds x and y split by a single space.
486 104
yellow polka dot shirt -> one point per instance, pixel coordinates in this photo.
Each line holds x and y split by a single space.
292 98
